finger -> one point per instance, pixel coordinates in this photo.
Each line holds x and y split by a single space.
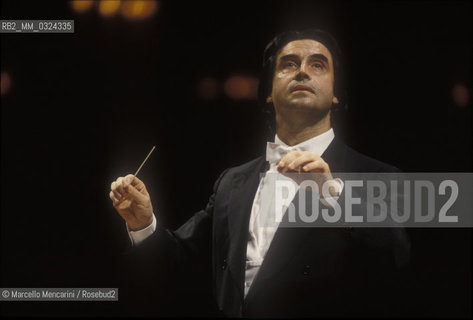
114 187
288 158
316 166
134 194
303 159
120 187
137 183
334 188
113 198
117 195
132 179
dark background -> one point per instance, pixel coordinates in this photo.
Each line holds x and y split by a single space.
85 108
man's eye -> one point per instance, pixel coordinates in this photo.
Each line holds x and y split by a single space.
318 65
289 65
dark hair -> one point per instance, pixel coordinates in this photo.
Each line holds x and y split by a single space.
269 61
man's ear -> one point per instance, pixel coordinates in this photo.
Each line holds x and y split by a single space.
269 99
335 100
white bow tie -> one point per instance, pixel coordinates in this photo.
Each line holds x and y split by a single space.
275 152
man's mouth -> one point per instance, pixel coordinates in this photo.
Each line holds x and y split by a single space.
301 87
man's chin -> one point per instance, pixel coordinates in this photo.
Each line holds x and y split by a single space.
307 106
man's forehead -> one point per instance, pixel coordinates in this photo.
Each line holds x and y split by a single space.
306 47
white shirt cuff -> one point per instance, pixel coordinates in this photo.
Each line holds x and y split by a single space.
139 236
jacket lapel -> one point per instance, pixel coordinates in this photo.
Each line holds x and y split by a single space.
245 185
335 156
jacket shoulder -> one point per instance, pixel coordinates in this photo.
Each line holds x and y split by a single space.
247 167
364 163
342 158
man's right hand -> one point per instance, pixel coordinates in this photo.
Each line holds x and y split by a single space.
132 202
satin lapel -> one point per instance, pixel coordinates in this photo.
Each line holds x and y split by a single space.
335 156
245 185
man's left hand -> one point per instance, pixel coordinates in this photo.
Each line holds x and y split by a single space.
308 162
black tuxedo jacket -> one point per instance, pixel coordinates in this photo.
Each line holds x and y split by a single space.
306 271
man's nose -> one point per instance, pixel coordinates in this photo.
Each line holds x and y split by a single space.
302 74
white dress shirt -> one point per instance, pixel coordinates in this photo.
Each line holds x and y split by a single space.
261 232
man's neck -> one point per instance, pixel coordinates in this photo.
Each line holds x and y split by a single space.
292 133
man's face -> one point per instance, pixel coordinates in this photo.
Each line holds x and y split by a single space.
303 78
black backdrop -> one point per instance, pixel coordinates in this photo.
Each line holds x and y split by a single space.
85 108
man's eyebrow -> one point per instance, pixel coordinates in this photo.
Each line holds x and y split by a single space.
319 56
312 56
289 57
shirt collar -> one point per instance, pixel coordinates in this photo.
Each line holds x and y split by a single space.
317 144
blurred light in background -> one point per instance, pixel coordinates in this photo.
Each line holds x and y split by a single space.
82 5
130 9
5 83
241 87
138 9
461 95
109 8
207 88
